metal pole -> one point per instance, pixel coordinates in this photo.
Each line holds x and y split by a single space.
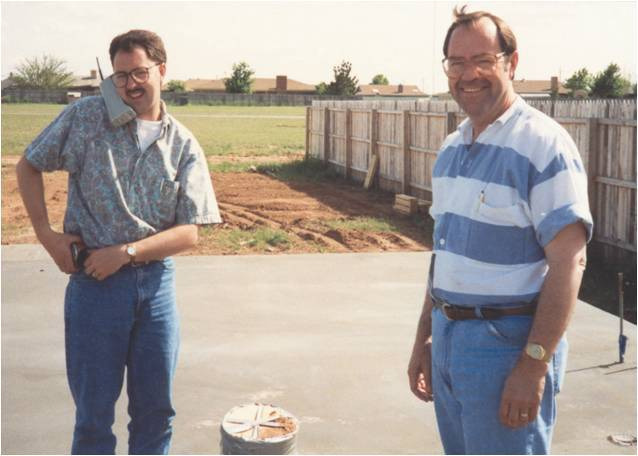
622 339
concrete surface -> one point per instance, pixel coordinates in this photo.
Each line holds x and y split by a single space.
326 337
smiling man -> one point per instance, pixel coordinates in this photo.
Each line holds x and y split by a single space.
509 200
136 195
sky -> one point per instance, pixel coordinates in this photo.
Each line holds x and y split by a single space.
305 40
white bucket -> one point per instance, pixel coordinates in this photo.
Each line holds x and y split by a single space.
259 429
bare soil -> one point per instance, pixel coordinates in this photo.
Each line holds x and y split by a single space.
250 200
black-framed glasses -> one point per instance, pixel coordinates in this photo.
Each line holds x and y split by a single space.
139 75
454 67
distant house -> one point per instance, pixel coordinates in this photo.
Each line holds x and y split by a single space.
280 84
400 90
8 82
540 88
85 83
529 88
79 83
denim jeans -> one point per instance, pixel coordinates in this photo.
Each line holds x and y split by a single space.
471 360
127 322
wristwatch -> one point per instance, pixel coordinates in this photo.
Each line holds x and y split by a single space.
537 352
131 251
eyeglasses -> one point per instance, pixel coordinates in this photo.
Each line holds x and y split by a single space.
139 75
454 67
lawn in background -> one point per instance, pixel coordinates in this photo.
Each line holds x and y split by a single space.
241 131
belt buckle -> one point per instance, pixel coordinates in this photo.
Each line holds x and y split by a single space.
445 306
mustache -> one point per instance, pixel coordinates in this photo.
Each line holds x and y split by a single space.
134 91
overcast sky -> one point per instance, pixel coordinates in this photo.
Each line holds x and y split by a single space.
304 40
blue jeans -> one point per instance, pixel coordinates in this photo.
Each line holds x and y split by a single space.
127 321
471 360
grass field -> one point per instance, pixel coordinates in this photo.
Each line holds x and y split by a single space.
239 131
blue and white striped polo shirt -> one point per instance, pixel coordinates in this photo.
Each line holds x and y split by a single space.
498 202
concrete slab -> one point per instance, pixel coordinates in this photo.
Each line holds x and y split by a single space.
326 337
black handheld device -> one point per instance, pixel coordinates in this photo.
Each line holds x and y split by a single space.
79 255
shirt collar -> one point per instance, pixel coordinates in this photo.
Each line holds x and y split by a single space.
164 117
465 128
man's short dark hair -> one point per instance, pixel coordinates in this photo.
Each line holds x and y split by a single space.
149 41
506 37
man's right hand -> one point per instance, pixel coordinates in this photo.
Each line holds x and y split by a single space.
420 371
59 247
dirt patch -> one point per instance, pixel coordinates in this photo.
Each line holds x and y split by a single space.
298 217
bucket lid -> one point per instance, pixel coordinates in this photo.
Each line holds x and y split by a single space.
260 422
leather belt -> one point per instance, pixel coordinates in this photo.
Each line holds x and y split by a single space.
137 264
453 312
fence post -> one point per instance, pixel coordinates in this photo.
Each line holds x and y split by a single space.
348 142
450 123
326 133
308 130
407 165
592 166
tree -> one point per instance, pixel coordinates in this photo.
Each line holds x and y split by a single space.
175 86
47 73
380 79
609 83
240 80
321 88
344 84
580 80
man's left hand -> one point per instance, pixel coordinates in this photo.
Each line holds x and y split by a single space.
523 392
102 263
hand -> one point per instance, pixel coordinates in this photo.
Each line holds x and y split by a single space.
101 263
58 245
420 371
523 393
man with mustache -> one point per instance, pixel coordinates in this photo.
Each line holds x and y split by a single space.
509 200
136 195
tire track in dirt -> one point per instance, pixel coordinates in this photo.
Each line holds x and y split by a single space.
247 219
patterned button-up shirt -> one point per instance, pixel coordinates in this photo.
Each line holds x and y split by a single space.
116 193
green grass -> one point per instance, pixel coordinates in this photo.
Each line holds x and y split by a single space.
371 224
236 136
21 123
255 240
311 169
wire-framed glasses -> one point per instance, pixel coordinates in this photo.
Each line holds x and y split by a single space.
139 75
454 67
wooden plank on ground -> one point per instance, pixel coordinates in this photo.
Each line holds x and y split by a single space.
372 171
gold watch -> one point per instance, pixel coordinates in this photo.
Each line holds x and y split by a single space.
537 352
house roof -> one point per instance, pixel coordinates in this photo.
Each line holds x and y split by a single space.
7 82
528 87
378 89
537 87
85 81
258 85
77 82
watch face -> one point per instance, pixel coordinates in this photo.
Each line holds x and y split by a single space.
535 351
130 250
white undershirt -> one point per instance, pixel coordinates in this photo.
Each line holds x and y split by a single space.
147 132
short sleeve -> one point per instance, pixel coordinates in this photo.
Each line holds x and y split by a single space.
58 146
558 196
196 202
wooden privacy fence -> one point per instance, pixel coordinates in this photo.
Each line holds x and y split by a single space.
406 136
